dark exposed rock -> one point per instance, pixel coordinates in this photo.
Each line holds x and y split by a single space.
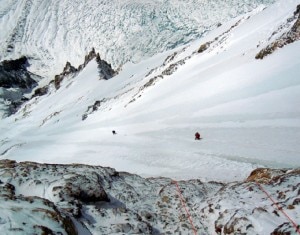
89 57
264 175
283 229
44 230
173 67
41 91
232 226
10 65
105 70
57 80
297 12
68 69
204 47
6 163
92 108
287 38
13 74
85 189
169 59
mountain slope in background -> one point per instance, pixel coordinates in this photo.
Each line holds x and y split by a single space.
247 110
50 33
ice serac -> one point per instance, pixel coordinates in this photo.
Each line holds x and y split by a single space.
99 200
53 32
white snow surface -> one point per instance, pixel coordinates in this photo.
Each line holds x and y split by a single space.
246 110
50 33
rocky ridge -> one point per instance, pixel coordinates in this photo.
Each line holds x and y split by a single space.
105 70
292 35
15 80
82 199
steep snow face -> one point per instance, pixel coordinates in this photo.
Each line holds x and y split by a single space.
53 32
246 110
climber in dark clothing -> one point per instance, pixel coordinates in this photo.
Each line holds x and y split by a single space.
114 132
197 136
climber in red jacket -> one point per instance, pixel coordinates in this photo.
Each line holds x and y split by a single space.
197 136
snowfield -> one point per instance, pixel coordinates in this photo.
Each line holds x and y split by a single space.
246 110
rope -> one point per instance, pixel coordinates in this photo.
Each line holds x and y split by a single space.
279 208
184 206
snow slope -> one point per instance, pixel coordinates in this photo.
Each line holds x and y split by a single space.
54 32
246 110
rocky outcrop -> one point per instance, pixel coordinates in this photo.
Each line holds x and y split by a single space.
13 74
15 82
93 108
104 201
68 70
105 70
40 91
287 38
30 214
218 40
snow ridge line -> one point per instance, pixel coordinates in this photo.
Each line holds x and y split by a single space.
279 207
184 206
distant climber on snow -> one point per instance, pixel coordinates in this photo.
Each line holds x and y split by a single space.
114 132
197 136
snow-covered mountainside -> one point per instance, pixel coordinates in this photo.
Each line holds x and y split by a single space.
80 199
17 83
51 33
247 110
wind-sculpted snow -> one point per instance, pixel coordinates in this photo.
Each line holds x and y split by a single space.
81 199
53 32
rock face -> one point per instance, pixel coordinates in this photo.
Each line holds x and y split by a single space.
13 74
15 81
68 70
105 70
98 200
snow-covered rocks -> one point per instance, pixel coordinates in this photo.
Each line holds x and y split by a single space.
98 200
28 214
